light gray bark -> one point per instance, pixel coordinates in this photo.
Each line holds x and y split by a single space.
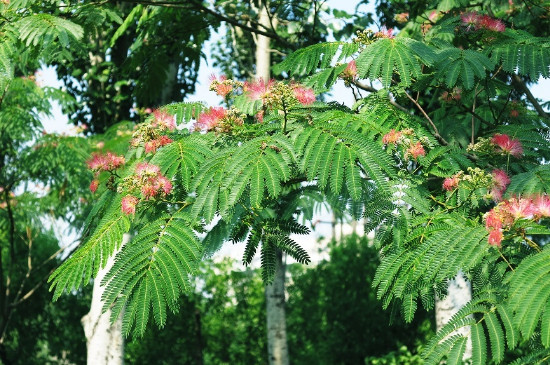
104 341
277 346
459 293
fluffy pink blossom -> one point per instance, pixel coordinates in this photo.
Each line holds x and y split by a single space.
493 220
218 85
94 185
451 183
470 19
473 20
385 33
149 191
392 136
105 162
500 183
147 169
164 184
258 89
129 203
542 206
520 208
163 120
495 238
416 150
152 145
494 25
210 119
304 95
508 145
402 17
350 72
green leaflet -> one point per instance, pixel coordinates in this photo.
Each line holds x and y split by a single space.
318 56
530 291
261 165
454 64
152 271
182 158
94 252
45 28
386 57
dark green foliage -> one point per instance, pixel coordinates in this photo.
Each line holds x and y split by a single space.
334 316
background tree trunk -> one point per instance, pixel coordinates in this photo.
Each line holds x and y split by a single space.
277 347
104 341
459 293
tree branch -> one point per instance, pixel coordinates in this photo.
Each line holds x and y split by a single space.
371 89
521 84
436 132
193 4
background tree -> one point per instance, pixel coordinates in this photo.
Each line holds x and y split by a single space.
131 64
42 178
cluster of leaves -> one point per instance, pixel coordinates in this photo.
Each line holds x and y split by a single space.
464 78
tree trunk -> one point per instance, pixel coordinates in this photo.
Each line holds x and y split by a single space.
277 347
459 293
104 341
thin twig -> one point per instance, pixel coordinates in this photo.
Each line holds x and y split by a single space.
436 132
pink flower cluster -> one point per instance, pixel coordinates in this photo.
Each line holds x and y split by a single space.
150 135
500 183
221 86
152 145
475 21
402 17
129 203
416 150
392 137
350 72
257 90
211 118
385 33
413 149
149 181
152 182
273 92
304 95
105 162
507 212
163 121
507 145
451 183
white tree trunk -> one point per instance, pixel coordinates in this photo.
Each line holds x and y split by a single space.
263 50
277 347
104 341
459 293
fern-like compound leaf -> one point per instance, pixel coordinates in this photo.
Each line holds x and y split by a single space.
318 56
94 252
152 271
398 56
45 28
530 292
182 159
